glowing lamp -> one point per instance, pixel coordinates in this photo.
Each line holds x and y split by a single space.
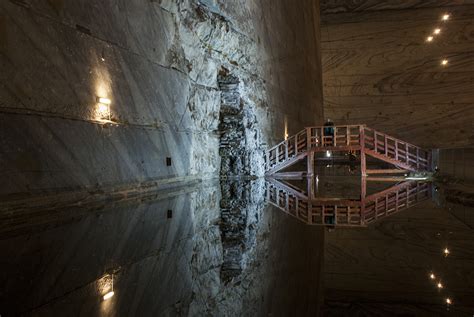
444 62
449 301
109 295
328 154
105 101
432 276
446 252
445 17
439 285
429 39
437 31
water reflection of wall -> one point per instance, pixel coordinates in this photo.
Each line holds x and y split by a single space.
162 265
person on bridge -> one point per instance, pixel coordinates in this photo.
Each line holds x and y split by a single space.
328 133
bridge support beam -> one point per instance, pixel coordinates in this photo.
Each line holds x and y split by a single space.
310 163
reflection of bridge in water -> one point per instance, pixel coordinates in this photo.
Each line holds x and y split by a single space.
305 206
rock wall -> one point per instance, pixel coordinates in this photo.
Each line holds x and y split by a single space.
158 62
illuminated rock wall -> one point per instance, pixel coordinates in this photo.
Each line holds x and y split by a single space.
158 62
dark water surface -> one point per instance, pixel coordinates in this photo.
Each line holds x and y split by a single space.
226 250
200 251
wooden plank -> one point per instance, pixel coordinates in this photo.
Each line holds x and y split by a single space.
387 171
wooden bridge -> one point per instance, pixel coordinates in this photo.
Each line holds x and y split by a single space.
357 138
339 212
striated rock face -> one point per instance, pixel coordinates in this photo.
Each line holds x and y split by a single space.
159 62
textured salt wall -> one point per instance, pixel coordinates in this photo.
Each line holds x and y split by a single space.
158 61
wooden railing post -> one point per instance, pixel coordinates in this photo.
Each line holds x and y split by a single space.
363 165
376 145
286 149
267 160
396 150
308 139
417 158
406 153
296 144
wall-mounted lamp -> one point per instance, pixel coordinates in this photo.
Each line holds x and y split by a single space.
111 292
446 252
103 108
109 295
103 100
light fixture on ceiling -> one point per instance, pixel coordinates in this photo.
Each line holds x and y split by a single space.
437 31
446 251
429 39
445 17
444 62
449 301
439 285
432 276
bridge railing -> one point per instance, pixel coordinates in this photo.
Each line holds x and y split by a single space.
397 149
310 138
346 137
345 212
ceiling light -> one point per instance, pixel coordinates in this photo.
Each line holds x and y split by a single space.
449 301
439 285
432 276
429 39
445 17
446 251
444 62
437 31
